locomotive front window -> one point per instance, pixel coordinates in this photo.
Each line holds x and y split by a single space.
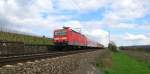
60 32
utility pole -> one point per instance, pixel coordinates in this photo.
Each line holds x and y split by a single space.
0 27
109 35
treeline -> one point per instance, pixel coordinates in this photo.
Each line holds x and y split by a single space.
139 48
27 39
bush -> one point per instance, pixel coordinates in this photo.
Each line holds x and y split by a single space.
112 46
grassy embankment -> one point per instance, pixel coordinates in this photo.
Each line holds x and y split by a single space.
123 64
5 36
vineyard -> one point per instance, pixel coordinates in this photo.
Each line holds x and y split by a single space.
27 39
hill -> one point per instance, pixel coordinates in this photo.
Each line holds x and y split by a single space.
27 39
137 47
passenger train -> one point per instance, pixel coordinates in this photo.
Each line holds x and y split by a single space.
68 38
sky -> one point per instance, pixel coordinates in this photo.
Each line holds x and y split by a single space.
126 21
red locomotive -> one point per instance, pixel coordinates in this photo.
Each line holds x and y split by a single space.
67 37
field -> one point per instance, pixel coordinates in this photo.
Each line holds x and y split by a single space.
27 39
124 64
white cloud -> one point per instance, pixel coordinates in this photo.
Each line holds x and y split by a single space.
144 26
121 11
98 35
81 5
123 26
128 9
128 39
73 24
25 15
132 37
129 26
18 9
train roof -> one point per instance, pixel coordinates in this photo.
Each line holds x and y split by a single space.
71 30
78 32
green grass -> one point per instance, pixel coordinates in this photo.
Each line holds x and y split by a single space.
5 36
147 53
123 64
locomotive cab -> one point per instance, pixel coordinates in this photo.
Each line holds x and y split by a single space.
60 37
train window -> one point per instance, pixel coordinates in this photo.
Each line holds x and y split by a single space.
60 32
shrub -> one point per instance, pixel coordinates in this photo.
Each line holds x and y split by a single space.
112 46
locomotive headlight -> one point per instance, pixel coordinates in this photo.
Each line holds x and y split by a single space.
56 38
64 38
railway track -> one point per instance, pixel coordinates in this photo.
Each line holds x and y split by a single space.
31 57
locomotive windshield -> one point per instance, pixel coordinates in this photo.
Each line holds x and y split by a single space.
61 32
